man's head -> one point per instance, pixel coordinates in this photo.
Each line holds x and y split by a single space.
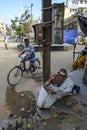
61 76
26 41
63 72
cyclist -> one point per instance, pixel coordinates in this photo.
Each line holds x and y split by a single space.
29 53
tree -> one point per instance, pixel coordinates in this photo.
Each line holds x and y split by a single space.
17 27
8 30
26 21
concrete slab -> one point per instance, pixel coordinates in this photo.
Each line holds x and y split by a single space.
77 77
56 47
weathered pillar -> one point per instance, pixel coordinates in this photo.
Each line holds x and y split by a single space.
85 69
47 27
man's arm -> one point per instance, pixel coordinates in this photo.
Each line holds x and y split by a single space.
32 53
31 49
21 53
48 83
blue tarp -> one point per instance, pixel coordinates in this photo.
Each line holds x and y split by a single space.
70 36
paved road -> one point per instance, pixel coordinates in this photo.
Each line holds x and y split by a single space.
9 58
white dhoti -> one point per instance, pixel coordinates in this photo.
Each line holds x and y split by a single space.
45 99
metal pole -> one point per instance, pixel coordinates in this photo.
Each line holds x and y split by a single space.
47 27
31 9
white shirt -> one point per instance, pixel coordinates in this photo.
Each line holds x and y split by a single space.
28 49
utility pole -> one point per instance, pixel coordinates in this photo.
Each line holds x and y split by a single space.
31 10
47 36
27 8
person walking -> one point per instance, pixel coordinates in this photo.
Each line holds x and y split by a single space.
5 43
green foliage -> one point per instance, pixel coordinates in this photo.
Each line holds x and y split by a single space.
16 26
8 29
20 27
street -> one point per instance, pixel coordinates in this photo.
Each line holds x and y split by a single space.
9 58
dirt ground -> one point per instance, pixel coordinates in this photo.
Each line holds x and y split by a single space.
68 113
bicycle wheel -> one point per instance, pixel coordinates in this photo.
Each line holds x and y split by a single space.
14 75
35 68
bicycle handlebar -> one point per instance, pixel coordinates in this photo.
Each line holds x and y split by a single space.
20 56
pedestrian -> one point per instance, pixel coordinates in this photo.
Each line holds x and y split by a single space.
80 62
29 52
5 43
57 86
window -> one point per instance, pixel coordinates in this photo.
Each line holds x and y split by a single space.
81 1
86 2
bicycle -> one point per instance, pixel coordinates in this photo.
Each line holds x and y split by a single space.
16 73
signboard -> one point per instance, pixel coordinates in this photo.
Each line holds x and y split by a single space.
58 23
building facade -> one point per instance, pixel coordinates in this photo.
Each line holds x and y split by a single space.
2 28
76 5
72 10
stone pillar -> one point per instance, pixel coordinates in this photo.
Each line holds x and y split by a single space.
85 69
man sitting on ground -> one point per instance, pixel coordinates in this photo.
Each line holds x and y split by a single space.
80 62
55 88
